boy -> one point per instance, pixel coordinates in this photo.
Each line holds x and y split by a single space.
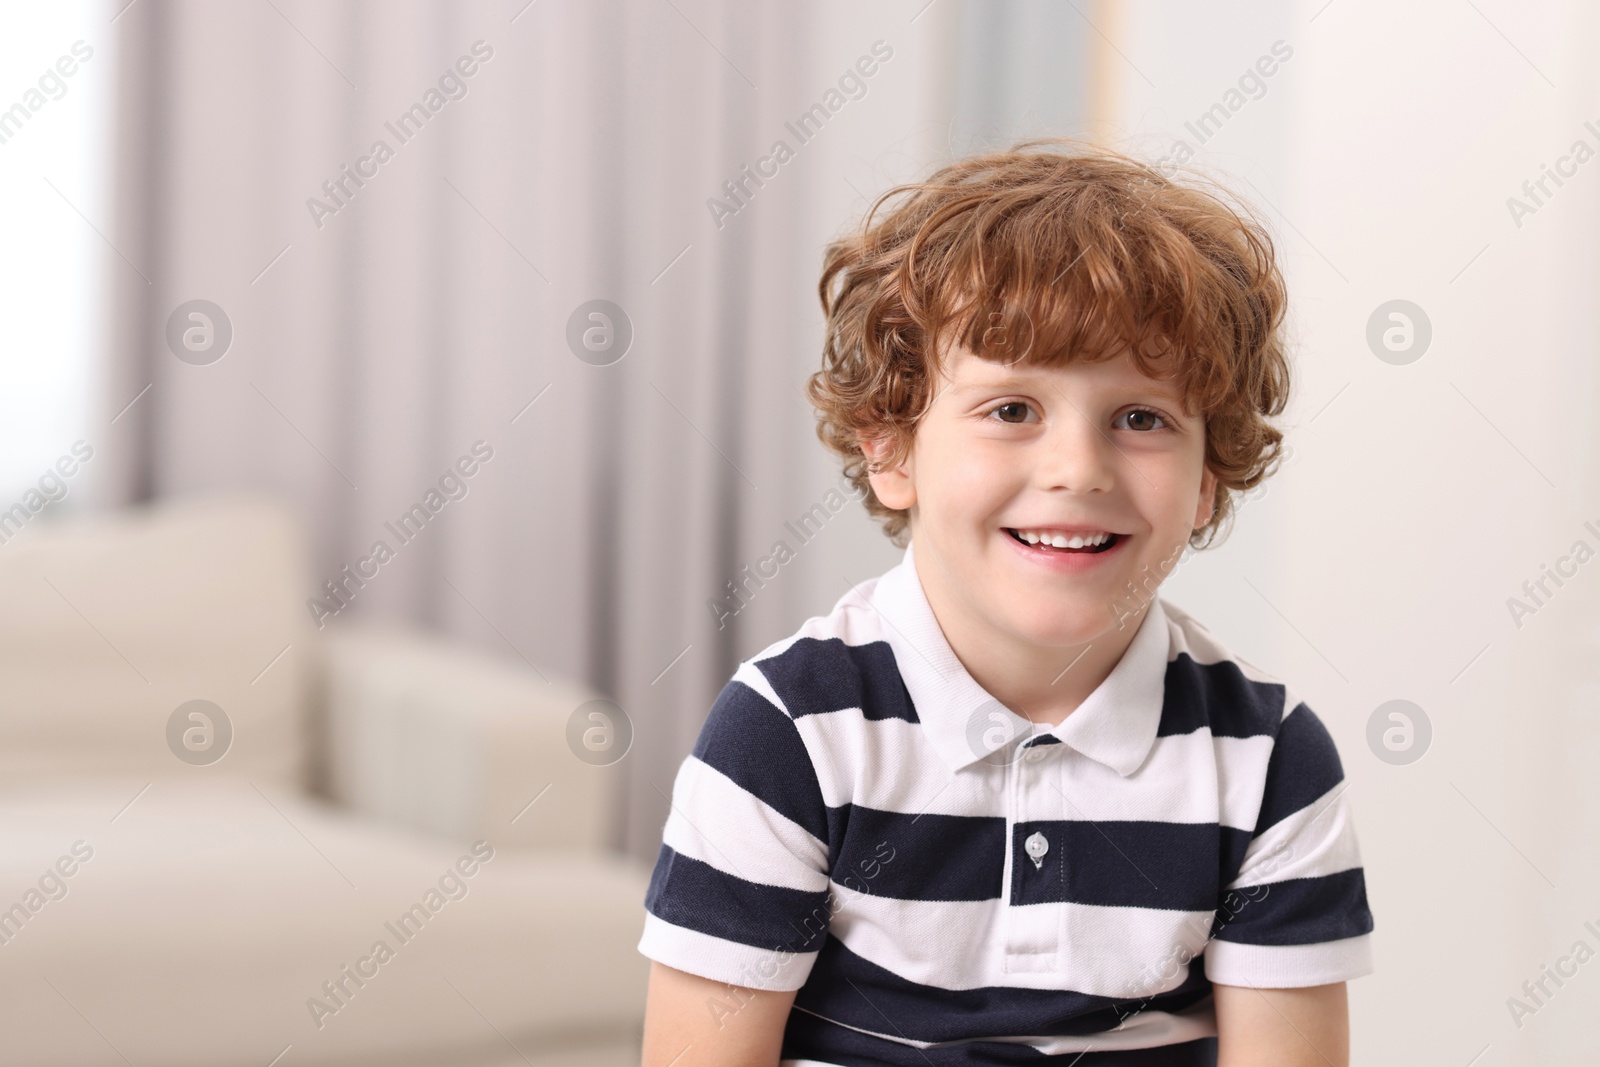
1003 803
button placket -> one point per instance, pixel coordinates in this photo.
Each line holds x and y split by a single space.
1033 930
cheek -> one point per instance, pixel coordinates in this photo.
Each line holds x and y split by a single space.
974 476
1164 489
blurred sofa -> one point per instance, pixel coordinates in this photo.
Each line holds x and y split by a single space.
380 788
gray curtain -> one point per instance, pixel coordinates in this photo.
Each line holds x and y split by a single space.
391 309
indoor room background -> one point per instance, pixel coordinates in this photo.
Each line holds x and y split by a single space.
524 291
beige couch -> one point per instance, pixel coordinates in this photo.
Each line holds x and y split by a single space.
158 911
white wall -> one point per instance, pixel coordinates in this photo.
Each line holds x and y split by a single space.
1420 497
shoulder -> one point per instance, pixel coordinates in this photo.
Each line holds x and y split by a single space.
764 728
1277 738
835 662
1209 687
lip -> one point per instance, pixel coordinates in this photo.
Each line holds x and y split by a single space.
1066 562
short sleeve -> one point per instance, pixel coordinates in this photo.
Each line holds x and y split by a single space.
740 892
1296 914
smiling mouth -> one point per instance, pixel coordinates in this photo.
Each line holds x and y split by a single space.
1081 544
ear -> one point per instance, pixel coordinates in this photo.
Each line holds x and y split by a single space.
894 487
1207 504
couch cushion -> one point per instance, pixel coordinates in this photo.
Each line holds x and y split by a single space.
113 621
210 914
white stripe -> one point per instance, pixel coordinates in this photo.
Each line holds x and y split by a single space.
1241 764
1289 966
715 821
723 961
1147 1029
1317 840
1113 952
889 765
1189 778
852 621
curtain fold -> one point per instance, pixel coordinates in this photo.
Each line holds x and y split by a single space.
399 245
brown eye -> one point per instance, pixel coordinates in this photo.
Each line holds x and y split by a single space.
1141 419
1013 411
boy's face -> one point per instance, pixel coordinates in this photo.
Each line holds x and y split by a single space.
1005 453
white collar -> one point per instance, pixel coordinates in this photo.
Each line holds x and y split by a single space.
1115 725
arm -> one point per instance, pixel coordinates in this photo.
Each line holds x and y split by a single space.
691 1021
1307 1027
1294 923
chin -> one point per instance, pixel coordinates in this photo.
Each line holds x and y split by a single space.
1063 626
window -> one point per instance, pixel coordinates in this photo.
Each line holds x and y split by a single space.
55 88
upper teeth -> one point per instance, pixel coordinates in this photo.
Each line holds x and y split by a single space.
1061 540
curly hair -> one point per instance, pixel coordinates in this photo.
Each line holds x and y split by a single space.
1048 253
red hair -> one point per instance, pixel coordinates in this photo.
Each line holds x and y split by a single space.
1045 254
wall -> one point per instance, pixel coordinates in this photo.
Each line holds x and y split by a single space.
1378 564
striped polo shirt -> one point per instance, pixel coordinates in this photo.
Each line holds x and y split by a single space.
947 883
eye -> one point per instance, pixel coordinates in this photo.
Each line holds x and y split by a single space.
1012 411
1141 419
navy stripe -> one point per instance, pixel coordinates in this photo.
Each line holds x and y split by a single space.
1300 911
1218 697
847 988
1235 843
929 857
692 894
917 857
1120 864
808 1037
757 746
1304 766
815 676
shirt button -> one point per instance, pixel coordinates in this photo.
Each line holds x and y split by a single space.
1035 754
1036 847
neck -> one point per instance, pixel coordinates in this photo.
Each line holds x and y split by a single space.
1042 683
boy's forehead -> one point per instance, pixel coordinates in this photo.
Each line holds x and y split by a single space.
963 368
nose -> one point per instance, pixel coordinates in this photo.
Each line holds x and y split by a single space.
1076 454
